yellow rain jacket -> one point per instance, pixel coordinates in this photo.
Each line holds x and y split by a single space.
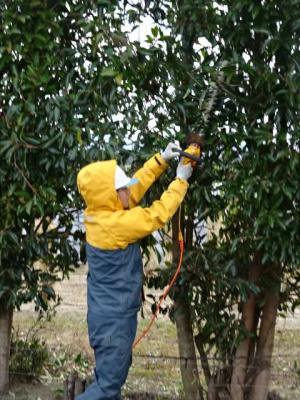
108 225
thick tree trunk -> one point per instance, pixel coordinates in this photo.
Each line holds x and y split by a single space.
261 380
242 353
6 316
188 362
186 345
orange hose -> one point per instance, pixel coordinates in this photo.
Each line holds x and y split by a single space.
165 292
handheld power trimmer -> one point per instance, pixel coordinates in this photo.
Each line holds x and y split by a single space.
192 153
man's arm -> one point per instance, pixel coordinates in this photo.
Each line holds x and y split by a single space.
151 171
131 225
147 175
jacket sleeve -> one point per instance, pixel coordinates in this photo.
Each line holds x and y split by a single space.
147 175
134 224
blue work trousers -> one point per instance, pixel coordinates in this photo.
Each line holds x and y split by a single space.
111 339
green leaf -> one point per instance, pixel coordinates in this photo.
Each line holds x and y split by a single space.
5 145
262 30
32 140
56 114
296 25
288 191
207 198
48 143
119 79
155 31
79 137
28 206
14 237
109 72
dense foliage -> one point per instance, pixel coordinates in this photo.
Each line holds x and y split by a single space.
247 193
58 97
76 86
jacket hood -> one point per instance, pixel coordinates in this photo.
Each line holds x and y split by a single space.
96 184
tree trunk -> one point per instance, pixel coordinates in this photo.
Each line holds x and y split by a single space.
241 357
73 386
204 359
188 362
186 345
6 316
262 372
253 343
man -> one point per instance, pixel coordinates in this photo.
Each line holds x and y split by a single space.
114 224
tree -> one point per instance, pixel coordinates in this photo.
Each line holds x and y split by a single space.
76 88
50 108
250 179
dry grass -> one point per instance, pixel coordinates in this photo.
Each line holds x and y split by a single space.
149 377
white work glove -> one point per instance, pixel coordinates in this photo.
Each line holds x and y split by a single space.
168 153
184 171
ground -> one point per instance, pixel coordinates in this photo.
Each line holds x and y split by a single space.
155 373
